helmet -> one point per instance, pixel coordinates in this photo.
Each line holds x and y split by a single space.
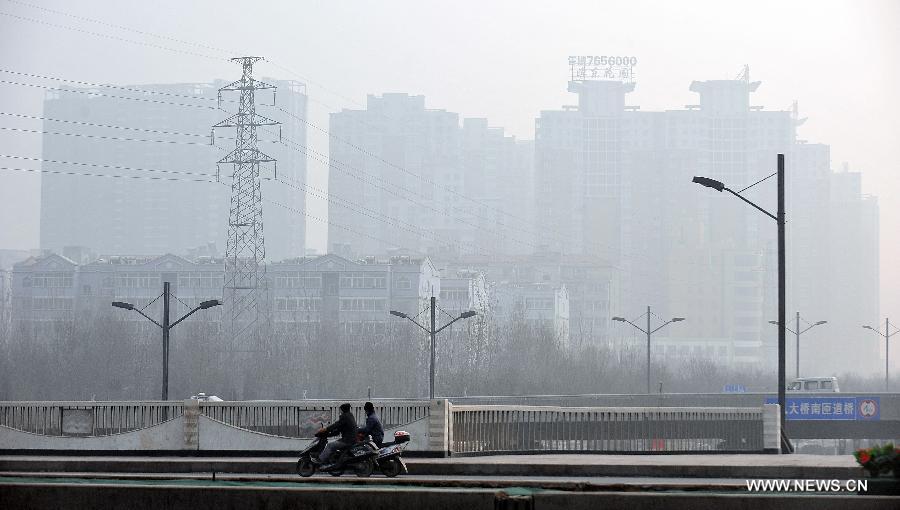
401 436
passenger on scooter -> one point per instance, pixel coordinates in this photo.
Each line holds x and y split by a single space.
345 426
373 425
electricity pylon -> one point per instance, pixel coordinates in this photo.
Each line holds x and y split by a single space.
245 290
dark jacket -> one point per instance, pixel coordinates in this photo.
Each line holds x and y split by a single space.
345 426
374 428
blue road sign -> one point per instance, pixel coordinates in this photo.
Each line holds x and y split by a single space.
734 388
831 408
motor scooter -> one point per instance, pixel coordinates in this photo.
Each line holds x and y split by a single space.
358 458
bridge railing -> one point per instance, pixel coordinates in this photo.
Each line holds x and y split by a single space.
498 428
302 418
78 418
298 419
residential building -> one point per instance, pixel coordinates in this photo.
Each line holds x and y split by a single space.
404 176
541 307
592 289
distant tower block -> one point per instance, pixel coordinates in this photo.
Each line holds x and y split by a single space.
246 291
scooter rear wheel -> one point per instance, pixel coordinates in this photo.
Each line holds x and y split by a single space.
305 468
391 468
365 468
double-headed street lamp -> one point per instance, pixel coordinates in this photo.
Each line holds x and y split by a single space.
648 332
782 314
166 327
797 332
432 332
887 336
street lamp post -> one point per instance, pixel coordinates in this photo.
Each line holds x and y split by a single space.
648 332
797 333
887 337
782 279
166 327
432 332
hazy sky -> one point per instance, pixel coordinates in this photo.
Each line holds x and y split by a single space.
502 60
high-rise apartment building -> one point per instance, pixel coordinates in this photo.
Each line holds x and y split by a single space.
615 186
404 176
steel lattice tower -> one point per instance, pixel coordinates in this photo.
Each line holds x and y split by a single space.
245 290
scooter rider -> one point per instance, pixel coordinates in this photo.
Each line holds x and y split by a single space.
345 426
373 425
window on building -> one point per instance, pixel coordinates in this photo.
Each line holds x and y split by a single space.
362 281
51 303
363 304
137 280
294 280
297 304
51 280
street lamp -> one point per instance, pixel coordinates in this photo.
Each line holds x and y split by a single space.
166 327
797 332
887 337
432 332
782 314
648 332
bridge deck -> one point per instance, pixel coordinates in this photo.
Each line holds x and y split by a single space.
693 466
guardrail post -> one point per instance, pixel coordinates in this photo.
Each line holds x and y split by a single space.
439 428
191 422
771 428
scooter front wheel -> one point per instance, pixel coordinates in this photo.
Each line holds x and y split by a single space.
305 468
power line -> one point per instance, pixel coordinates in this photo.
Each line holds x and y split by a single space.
100 94
97 165
333 164
101 137
119 176
111 176
306 122
397 167
120 27
212 181
110 126
108 86
107 36
394 222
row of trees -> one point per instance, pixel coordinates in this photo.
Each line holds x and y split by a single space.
103 357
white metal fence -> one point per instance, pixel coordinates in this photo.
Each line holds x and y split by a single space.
86 418
282 418
303 418
490 428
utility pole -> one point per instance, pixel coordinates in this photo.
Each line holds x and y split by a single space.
245 288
